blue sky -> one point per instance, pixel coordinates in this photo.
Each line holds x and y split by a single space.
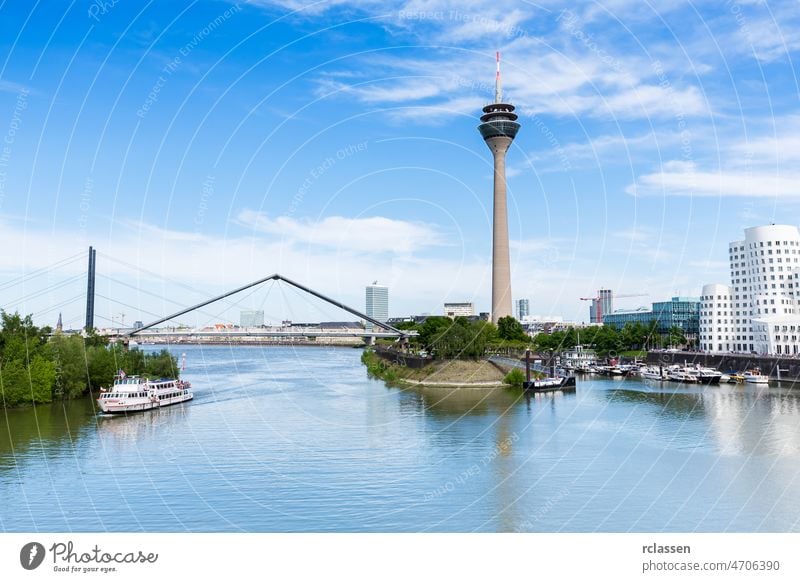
215 142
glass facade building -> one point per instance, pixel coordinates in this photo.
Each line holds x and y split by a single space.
251 318
377 303
523 309
682 312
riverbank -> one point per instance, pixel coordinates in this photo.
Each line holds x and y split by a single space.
784 369
346 342
445 373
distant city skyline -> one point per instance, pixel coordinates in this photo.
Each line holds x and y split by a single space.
216 143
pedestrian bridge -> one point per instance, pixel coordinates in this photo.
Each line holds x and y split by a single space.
255 333
384 329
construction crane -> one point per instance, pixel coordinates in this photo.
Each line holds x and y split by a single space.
598 313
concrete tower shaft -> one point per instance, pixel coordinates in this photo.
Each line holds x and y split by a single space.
501 261
498 128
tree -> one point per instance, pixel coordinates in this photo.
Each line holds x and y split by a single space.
459 338
161 365
102 365
69 357
12 383
508 328
42 375
433 328
676 336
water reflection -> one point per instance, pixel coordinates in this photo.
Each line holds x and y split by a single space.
676 404
43 429
447 401
301 440
160 423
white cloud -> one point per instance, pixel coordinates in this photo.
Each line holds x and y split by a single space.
370 235
679 178
7 86
635 234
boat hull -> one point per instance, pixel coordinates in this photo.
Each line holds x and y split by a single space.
709 380
114 408
564 384
762 380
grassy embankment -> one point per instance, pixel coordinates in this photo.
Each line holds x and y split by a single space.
451 372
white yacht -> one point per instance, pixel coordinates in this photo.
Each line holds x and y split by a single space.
755 376
133 393
705 375
678 374
652 373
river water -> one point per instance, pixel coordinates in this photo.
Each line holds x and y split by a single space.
284 439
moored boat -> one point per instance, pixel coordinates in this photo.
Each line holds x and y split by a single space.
134 394
705 375
551 384
652 373
678 374
755 376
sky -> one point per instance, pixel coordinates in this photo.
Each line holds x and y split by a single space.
201 145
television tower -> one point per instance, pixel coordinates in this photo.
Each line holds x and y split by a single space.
498 128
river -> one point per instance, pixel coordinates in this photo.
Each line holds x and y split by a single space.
282 439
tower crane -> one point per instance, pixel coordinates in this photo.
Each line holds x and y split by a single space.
598 314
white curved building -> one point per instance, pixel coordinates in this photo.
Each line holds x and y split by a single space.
758 312
716 318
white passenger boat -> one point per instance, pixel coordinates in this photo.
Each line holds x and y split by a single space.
133 394
652 373
755 377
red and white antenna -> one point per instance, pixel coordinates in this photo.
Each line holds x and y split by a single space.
498 84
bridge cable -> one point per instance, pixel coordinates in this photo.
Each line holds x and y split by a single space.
43 270
46 290
231 306
61 304
137 269
129 306
162 278
151 293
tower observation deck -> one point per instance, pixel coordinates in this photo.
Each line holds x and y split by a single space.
498 128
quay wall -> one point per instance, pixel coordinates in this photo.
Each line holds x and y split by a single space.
407 360
248 341
785 369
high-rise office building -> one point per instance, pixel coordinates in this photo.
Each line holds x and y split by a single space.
377 305
601 305
463 309
498 128
523 309
251 318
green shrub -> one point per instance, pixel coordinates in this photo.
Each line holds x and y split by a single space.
515 378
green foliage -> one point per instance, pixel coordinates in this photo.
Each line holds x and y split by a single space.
160 365
460 338
676 336
69 356
608 340
377 367
508 328
35 370
515 377
42 375
13 383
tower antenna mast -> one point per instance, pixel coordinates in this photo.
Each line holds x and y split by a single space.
498 83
